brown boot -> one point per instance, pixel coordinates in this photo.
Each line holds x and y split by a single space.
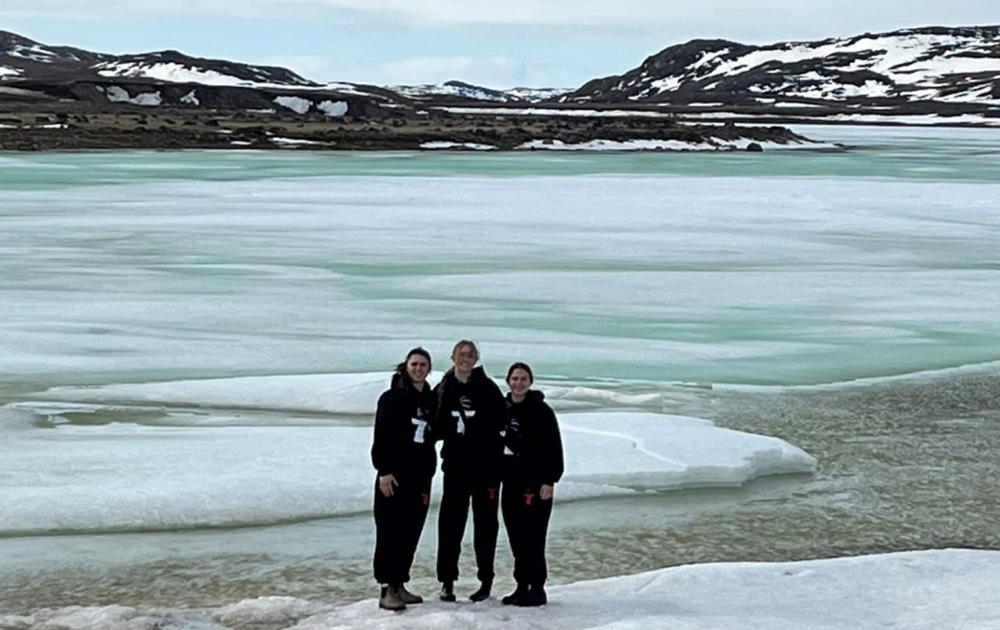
407 597
390 598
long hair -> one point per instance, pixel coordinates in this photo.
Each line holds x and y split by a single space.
400 376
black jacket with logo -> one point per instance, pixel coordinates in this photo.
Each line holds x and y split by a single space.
469 419
404 444
533 454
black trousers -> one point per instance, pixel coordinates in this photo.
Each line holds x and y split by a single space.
399 520
526 518
459 489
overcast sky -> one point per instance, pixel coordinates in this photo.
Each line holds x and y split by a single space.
498 43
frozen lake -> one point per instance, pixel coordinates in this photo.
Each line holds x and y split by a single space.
209 315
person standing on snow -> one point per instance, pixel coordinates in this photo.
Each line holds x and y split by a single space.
532 464
469 418
403 454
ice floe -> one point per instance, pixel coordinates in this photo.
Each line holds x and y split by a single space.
949 589
189 471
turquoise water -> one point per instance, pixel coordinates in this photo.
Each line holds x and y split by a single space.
910 154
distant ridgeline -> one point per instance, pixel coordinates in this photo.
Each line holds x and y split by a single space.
916 76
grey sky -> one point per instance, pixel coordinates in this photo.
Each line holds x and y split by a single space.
535 42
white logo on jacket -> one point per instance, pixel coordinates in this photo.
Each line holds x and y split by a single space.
421 424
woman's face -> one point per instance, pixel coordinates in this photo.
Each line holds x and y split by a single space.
519 382
417 367
465 358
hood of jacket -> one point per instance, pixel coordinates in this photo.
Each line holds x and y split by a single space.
532 396
478 373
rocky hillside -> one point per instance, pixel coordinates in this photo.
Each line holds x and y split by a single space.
945 66
31 71
58 97
27 59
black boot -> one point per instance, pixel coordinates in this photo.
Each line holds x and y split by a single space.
447 592
515 597
534 597
483 593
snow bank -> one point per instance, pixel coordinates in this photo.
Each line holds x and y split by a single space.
457 145
930 590
333 109
919 590
714 144
297 104
118 94
546 111
293 141
197 473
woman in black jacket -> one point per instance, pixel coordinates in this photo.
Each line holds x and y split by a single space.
469 418
532 464
403 454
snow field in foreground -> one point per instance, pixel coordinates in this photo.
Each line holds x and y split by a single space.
920 590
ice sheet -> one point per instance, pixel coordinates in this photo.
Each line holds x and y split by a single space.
119 476
918 590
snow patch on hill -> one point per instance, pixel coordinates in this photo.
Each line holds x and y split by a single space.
36 52
295 103
333 109
117 94
459 89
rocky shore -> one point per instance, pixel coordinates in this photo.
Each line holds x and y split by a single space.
70 126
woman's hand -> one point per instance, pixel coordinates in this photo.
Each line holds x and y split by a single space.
386 484
547 492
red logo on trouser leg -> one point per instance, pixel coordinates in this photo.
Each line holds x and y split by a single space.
529 498
425 498
491 494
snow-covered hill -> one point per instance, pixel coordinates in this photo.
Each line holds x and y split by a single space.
21 57
175 67
947 65
459 90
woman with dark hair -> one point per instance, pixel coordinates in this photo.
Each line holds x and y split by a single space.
532 464
403 454
469 419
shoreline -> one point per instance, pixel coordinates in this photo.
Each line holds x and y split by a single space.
934 589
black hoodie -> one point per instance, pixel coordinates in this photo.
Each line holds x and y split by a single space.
533 454
469 419
403 444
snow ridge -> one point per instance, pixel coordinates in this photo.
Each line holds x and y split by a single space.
955 65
